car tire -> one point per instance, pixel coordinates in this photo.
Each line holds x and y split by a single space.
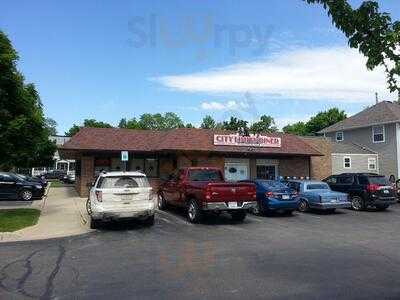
258 210
194 214
25 195
149 221
303 206
357 203
161 203
94 224
238 216
382 207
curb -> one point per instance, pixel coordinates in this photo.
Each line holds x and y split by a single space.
82 217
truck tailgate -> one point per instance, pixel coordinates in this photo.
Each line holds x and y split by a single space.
227 192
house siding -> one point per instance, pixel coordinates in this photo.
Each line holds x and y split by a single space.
359 163
387 151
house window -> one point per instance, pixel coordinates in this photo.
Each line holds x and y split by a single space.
347 162
378 134
339 136
372 164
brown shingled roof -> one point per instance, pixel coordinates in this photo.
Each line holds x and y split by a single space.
384 112
181 139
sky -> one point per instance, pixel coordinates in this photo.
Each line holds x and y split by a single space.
112 59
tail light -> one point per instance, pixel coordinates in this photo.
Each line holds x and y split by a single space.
208 192
99 196
269 194
372 187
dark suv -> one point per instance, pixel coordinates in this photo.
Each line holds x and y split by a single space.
364 189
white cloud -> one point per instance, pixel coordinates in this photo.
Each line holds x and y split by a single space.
229 105
335 73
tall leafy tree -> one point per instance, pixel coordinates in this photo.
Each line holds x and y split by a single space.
24 135
372 32
208 123
318 122
236 124
158 121
299 128
265 124
51 125
87 123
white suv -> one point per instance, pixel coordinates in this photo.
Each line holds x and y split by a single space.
121 195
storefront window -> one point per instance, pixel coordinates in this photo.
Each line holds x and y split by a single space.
266 172
137 164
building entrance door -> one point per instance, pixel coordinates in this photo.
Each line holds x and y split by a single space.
266 172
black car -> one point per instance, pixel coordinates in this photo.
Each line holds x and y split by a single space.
40 180
14 187
55 174
364 189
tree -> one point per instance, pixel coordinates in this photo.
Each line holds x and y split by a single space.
299 128
236 124
87 123
189 125
266 124
208 122
158 121
373 33
318 122
51 125
24 134
325 119
122 123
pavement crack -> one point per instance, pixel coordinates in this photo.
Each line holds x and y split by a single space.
50 280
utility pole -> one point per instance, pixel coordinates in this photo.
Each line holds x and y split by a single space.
376 98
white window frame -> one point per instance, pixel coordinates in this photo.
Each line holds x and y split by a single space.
374 163
337 140
383 132
344 162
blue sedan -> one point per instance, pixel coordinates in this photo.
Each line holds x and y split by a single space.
318 195
274 196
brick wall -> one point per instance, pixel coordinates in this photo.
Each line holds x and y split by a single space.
86 176
294 166
200 160
321 166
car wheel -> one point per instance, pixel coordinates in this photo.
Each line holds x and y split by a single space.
26 195
238 216
162 203
357 203
94 224
149 221
382 207
257 210
194 213
303 206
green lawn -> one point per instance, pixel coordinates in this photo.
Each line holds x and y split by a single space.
16 219
56 183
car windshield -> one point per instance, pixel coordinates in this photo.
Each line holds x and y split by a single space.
379 180
123 182
205 175
273 185
317 186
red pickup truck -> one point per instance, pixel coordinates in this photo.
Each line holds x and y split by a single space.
201 189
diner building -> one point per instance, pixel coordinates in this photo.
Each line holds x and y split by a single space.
160 153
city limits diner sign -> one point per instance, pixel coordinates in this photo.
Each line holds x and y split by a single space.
252 140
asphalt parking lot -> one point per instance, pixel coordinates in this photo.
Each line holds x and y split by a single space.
346 255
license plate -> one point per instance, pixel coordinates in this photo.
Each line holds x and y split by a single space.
126 197
285 197
232 204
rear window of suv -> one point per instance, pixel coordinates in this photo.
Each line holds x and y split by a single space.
379 180
122 182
